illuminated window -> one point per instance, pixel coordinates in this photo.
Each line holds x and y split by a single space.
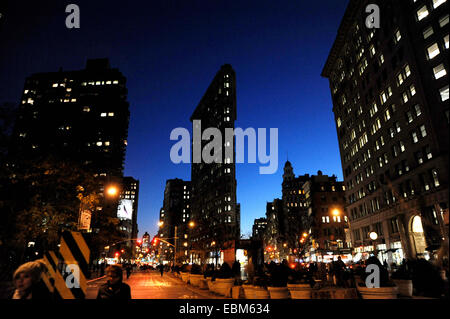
398 36
444 93
86 109
433 51
110 114
443 21
422 13
55 85
439 71
103 115
116 82
423 131
437 3
407 70
434 174
446 41
428 32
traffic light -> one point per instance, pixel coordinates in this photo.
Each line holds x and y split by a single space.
139 242
155 241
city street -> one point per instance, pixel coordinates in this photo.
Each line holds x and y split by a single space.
150 285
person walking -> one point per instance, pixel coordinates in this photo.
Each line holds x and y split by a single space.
161 269
114 288
339 268
28 282
128 270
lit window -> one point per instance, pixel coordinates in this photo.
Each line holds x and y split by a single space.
422 13
400 79
83 84
412 89
86 109
433 51
107 143
55 85
443 21
98 83
428 32
116 82
415 138
398 36
407 70
446 41
111 114
69 89
437 3
405 97
434 173
73 100
439 71
103 115
99 143
423 131
108 82
418 110
444 93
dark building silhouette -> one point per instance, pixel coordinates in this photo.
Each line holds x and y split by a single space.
390 89
82 115
259 228
295 208
79 116
175 216
214 206
275 236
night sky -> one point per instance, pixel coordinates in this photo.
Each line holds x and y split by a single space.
170 51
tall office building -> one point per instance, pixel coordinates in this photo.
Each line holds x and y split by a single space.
128 208
77 116
175 218
325 237
389 88
82 115
214 206
275 235
259 228
295 208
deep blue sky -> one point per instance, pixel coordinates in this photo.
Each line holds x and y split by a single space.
170 51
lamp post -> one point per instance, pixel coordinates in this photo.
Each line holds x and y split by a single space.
161 224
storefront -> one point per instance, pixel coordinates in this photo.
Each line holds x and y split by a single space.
395 253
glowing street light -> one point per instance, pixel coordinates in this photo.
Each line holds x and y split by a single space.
160 224
191 224
112 191
373 235
336 212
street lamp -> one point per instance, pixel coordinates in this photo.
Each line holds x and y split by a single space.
112 191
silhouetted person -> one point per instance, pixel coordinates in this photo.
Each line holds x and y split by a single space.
114 288
161 269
